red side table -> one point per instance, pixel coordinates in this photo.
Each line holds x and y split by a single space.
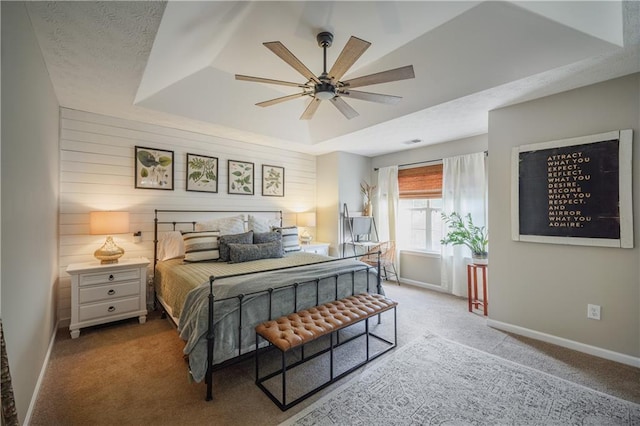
472 287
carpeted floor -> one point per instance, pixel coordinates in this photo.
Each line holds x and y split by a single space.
131 374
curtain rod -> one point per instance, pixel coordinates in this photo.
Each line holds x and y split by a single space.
422 162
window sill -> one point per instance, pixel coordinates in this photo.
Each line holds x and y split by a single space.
421 253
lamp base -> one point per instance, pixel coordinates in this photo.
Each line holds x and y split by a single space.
306 237
109 252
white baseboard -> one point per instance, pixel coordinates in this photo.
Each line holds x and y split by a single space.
64 322
566 343
43 370
423 285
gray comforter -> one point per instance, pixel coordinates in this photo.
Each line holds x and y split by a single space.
255 307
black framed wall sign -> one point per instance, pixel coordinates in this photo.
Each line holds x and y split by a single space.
574 191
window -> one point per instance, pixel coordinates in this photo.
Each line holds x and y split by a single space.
420 223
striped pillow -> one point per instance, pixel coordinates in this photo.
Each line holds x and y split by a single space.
289 238
201 246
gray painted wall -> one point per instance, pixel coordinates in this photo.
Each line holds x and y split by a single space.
30 174
338 177
328 199
546 287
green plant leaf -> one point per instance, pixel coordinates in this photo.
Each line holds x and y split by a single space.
164 161
465 233
147 159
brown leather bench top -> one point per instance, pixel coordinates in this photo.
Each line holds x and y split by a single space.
296 329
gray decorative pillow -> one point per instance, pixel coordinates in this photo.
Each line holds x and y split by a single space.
225 240
245 252
266 237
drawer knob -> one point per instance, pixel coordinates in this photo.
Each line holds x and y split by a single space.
111 292
111 308
111 277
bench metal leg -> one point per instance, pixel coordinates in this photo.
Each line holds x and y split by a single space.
331 355
284 378
282 404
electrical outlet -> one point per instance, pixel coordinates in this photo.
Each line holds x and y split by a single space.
593 312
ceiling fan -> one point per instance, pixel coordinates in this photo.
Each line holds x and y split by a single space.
328 86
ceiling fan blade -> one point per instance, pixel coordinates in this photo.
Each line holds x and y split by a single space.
286 55
269 81
282 99
354 48
401 73
372 97
344 107
311 109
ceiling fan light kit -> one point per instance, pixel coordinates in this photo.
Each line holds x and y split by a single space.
328 86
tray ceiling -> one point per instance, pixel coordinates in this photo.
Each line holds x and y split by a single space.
174 63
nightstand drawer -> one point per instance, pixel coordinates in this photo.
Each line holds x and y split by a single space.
108 308
110 277
107 292
316 247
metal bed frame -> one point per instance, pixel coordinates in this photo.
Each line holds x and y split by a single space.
212 301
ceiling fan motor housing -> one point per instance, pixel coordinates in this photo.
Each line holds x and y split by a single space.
324 39
324 90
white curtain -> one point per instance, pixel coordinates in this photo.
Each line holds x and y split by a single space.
464 190
385 209
386 203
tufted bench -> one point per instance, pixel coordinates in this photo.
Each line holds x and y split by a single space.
302 327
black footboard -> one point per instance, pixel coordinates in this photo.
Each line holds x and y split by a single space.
211 336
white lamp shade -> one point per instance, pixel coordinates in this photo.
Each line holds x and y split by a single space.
306 219
108 223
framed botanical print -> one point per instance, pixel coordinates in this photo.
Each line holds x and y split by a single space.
202 173
272 181
241 174
154 168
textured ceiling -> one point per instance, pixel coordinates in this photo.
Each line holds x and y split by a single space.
173 64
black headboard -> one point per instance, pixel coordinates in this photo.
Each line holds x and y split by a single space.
176 217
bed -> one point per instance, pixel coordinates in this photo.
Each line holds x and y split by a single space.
216 305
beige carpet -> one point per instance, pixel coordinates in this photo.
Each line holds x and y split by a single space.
127 373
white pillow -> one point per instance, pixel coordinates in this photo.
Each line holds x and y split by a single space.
226 225
262 225
171 246
201 246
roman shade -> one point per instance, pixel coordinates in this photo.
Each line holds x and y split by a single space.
420 182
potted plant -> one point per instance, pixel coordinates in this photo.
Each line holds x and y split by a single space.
462 231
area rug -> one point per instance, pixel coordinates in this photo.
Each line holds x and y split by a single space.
435 381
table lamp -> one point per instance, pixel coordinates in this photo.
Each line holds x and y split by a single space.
306 220
108 223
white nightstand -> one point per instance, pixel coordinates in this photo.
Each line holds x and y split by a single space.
105 293
316 247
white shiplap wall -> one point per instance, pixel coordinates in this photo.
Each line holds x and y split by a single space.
97 173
